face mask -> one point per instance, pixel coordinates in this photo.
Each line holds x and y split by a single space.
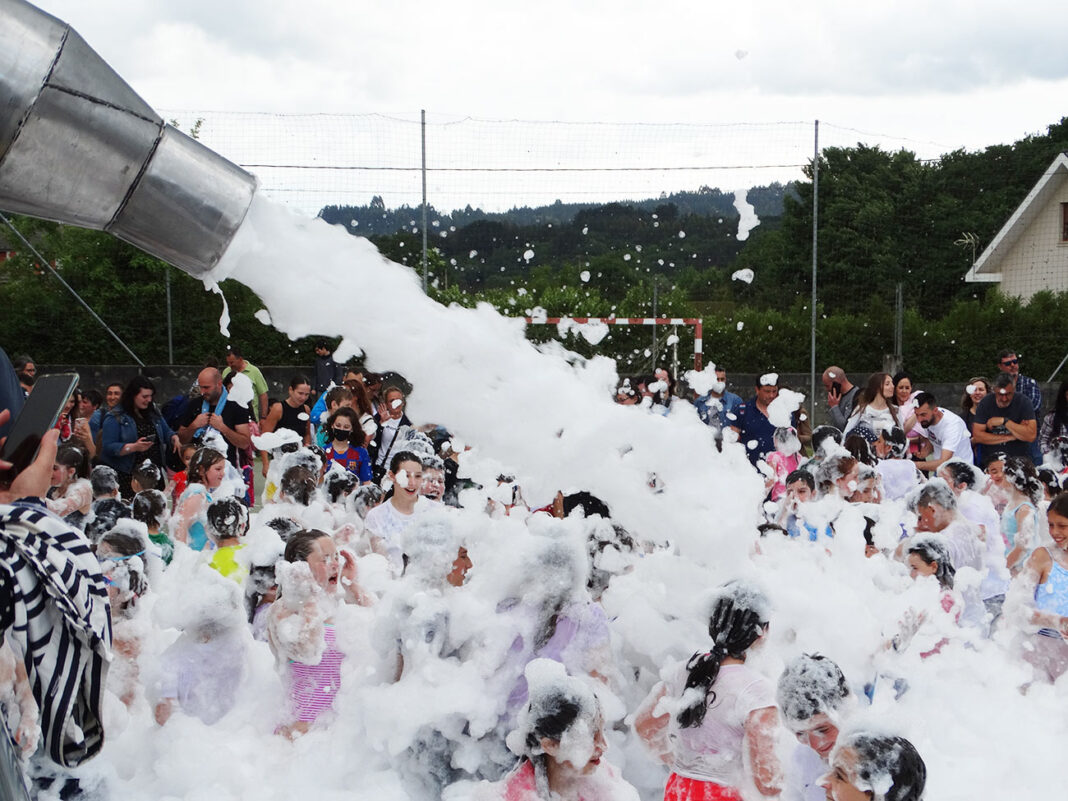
341 435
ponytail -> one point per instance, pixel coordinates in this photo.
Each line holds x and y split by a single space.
703 670
735 623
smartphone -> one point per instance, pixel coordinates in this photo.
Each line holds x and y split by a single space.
39 414
837 387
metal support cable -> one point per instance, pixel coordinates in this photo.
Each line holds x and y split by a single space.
69 288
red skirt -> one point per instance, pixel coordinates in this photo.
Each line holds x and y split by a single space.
681 788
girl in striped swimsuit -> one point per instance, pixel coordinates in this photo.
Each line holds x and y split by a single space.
300 629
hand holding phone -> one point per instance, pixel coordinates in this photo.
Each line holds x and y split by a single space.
37 418
834 394
33 481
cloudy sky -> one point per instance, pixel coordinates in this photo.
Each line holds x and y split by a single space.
931 76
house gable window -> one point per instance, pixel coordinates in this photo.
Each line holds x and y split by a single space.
1064 222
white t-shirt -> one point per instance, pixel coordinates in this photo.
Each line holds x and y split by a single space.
713 751
951 433
386 522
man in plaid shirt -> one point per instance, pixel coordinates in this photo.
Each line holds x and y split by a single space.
1009 362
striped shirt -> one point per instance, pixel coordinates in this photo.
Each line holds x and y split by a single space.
54 605
313 687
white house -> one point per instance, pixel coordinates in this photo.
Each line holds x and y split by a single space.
1030 252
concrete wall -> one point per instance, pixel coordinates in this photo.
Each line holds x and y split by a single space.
169 380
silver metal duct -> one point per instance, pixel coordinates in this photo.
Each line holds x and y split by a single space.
78 146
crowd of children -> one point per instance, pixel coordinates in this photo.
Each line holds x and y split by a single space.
366 568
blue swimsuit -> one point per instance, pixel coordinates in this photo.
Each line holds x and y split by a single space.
1052 596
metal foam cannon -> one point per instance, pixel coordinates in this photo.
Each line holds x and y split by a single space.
78 146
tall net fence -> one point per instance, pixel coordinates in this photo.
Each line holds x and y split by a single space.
309 161
313 161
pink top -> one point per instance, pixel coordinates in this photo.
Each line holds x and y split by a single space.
313 687
783 466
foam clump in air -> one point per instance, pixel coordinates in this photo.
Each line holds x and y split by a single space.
781 410
203 601
241 391
274 440
704 381
431 545
747 216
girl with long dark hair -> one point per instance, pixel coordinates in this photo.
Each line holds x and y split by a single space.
875 407
730 719
134 431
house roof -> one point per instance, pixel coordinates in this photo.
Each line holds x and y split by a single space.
988 266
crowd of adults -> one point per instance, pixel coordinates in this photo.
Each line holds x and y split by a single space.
351 482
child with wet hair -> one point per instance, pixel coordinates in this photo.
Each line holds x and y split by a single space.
227 523
1019 521
146 476
926 625
179 481
283 526
837 475
1041 593
314 578
366 498
929 556
814 699
965 480
824 441
878 767
71 494
202 670
1051 483
899 474
560 741
783 460
106 513
433 477
868 486
122 564
298 485
105 482
150 507
935 505
338 484
724 723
